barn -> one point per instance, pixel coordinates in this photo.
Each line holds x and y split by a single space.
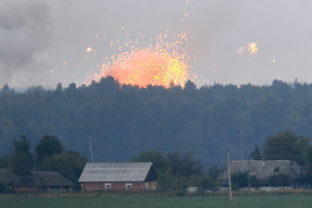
119 177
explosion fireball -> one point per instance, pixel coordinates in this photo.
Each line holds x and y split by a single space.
146 67
162 64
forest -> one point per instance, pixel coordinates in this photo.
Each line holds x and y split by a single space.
119 122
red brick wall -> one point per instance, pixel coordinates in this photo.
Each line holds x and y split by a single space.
118 186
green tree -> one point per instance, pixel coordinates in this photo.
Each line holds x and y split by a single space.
239 179
161 165
279 180
184 164
49 145
256 154
207 183
160 162
5 161
69 164
22 158
286 146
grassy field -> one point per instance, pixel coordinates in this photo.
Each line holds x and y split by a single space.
240 201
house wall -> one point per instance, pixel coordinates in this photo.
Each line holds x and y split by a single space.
49 190
25 189
119 186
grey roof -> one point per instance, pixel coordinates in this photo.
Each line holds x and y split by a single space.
44 179
263 169
113 172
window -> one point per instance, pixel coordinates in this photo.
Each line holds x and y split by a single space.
108 186
276 169
128 186
153 185
146 186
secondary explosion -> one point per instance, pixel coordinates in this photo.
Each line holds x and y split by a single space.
252 48
162 64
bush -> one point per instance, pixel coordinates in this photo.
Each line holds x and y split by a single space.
279 180
240 180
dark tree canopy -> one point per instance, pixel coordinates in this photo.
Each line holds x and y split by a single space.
22 159
69 164
256 154
49 145
285 146
160 162
125 120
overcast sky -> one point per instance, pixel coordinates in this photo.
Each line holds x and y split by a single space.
44 42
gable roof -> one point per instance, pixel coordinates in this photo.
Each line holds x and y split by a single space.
263 169
7 176
113 172
44 179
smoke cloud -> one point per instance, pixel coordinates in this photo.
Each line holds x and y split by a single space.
24 31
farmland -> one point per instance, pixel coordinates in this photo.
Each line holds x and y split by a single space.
214 201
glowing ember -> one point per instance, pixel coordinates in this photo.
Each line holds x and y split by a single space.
252 48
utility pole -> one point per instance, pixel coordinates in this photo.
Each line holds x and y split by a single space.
229 174
249 173
91 149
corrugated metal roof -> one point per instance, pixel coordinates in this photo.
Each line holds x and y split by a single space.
112 172
263 169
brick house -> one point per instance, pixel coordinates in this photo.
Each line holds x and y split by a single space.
119 177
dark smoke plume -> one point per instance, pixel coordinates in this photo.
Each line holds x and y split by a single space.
24 30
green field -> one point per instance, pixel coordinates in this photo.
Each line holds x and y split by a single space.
241 201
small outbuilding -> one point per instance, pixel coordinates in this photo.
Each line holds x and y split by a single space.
119 177
44 181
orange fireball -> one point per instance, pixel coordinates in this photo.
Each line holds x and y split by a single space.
145 67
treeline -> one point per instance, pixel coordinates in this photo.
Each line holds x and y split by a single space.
48 155
121 121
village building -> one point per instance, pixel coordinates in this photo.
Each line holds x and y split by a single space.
262 170
8 178
43 181
119 177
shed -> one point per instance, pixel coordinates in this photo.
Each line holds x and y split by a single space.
43 181
136 176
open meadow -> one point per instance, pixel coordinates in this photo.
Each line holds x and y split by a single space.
214 201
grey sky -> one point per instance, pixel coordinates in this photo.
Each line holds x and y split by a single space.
41 42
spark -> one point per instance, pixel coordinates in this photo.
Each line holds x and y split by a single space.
88 50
